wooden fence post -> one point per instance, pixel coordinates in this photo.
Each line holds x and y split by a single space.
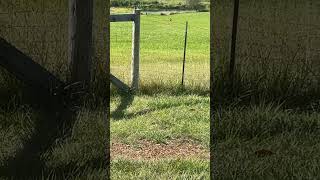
135 51
80 40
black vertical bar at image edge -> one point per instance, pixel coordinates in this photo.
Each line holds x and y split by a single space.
107 36
184 52
233 43
212 135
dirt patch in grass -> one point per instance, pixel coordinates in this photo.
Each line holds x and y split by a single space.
149 150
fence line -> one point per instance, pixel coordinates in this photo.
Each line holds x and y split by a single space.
270 39
164 61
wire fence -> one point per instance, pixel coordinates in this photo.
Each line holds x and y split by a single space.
272 36
161 51
274 40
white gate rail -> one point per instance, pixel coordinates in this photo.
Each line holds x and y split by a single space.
135 18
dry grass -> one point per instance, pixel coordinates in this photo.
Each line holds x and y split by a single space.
172 149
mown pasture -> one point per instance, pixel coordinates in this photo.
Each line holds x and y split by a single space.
163 131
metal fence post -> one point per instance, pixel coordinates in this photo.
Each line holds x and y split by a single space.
184 53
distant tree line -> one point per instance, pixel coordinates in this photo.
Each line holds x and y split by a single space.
156 5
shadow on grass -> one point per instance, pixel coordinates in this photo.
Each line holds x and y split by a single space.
54 119
78 170
125 102
150 110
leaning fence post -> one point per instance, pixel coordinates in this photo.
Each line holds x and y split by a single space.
135 51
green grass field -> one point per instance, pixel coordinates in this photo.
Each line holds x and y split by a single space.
162 43
161 116
166 129
167 136
268 130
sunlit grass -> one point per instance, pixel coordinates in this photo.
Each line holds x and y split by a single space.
162 44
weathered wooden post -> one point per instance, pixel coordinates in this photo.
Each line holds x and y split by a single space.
135 51
80 40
